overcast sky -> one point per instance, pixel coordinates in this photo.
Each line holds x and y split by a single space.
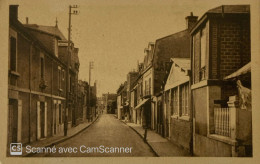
114 33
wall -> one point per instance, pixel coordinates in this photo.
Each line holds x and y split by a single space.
200 110
206 147
181 132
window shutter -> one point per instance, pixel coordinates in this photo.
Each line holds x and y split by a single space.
38 120
45 121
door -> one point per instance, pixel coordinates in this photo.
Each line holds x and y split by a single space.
54 119
13 120
42 119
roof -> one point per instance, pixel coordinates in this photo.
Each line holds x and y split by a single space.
245 69
230 9
52 30
183 63
224 9
17 24
175 45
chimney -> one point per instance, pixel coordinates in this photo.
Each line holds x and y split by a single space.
27 20
13 12
146 50
151 45
191 21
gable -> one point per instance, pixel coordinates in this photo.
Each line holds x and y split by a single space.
177 76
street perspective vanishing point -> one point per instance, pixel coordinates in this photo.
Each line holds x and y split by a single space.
129 81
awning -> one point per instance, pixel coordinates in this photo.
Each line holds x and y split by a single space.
141 103
245 69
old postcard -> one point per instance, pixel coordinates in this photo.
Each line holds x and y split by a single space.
125 79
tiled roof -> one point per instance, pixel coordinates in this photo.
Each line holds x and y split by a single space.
183 63
175 45
17 24
224 9
230 9
52 30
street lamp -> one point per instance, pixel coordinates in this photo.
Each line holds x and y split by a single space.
75 12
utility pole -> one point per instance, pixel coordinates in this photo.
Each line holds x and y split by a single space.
91 66
75 12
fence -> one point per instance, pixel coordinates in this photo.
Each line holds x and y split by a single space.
222 121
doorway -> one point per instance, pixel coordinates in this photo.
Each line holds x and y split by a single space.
42 118
13 120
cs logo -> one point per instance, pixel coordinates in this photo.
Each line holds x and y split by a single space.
16 149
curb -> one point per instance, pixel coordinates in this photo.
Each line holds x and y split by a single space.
64 139
156 154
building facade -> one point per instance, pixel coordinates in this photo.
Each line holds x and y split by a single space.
36 86
177 103
220 46
122 101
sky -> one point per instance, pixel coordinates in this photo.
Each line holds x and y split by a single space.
114 33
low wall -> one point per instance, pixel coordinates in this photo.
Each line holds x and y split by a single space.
181 133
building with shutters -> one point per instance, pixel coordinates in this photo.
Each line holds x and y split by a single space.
36 83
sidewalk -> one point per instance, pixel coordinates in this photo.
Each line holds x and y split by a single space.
161 146
51 141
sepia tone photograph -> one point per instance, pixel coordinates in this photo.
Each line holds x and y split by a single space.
125 78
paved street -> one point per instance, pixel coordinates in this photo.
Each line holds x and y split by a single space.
109 132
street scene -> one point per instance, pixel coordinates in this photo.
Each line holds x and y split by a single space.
103 132
95 80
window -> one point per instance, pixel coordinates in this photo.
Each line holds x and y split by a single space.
12 50
202 48
59 77
145 87
172 102
12 53
63 75
149 86
175 101
60 114
70 84
203 51
42 67
184 99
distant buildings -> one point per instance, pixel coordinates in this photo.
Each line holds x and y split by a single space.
194 86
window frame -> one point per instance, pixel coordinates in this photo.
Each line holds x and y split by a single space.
203 53
42 66
12 34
